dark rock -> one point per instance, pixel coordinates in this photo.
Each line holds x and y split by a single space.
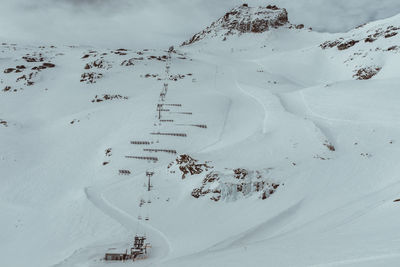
347 44
48 65
390 34
272 7
188 165
366 73
9 70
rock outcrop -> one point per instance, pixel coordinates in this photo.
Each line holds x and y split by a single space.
188 166
235 184
245 19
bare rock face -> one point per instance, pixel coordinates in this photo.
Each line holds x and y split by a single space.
244 19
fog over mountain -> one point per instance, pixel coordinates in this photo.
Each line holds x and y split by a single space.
156 23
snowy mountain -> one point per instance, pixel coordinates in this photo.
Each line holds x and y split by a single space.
270 143
245 19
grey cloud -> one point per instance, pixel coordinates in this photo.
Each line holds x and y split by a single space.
158 23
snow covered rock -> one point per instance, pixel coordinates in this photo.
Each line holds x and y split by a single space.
244 19
368 48
235 184
369 36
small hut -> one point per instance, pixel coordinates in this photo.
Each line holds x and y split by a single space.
139 250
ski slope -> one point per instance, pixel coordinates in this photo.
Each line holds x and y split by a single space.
276 103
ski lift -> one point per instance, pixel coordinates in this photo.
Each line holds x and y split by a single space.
139 217
147 218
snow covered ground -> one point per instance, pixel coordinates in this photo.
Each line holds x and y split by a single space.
277 103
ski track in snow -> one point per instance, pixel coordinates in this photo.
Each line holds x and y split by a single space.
319 116
124 218
259 101
278 221
347 211
364 260
222 132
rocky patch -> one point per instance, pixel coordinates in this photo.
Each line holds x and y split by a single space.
75 121
90 77
99 64
236 184
369 37
188 165
159 58
35 57
120 52
108 152
329 146
27 78
341 44
148 75
91 53
366 73
6 89
177 77
11 89
393 48
107 97
131 61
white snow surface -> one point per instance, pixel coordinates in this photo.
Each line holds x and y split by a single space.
272 101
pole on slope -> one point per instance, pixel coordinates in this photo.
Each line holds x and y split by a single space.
149 175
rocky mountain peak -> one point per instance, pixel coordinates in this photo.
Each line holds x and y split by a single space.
244 19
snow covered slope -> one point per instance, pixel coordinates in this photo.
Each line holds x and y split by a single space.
286 145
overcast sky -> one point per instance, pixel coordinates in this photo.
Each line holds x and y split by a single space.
159 23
